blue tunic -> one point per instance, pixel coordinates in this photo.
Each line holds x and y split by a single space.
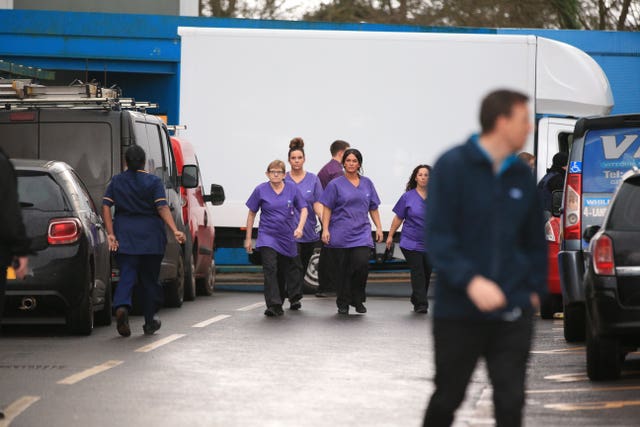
277 216
410 208
311 190
137 224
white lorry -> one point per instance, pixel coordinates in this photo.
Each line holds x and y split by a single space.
401 98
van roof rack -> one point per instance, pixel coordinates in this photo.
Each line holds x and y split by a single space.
24 94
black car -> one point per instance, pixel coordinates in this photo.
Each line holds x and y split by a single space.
612 283
69 277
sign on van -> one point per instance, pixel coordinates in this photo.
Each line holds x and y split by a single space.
608 154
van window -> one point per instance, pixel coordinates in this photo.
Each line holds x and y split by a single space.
624 213
155 157
608 154
140 135
39 191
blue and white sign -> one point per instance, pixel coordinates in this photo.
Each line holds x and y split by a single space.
575 167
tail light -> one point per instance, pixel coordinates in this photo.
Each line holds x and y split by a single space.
572 205
63 231
602 254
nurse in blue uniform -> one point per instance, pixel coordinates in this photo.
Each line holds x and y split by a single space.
348 202
278 230
137 234
410 210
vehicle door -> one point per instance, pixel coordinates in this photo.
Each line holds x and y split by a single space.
555 135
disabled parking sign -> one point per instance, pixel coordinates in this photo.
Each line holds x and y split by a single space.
575 167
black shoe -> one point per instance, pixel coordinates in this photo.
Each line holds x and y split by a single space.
279 311
343 310
321 295
270 312
422 309
151 328
296 305
360 308
122 321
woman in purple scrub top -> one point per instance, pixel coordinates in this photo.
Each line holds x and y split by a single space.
348 202
311 189
410 209
278 230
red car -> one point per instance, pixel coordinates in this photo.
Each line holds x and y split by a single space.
200 266
552 303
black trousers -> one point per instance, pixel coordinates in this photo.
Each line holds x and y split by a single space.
305 250
420 276
351 267
326 272
281 277
458 346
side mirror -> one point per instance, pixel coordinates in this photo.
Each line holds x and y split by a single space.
556 202
216 198
189 176
589 232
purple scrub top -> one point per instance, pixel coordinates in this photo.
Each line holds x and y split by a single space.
329 172
311 190
349 225
277 216
411 209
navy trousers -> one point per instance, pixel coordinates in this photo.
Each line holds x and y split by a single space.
143 270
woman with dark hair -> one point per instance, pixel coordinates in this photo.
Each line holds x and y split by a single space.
310 188
137 234
348 202
410 209
278 230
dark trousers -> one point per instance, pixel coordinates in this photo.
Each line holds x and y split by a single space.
326 271
351 267
4 263
458 346
305 250
420 276
281 277
142 269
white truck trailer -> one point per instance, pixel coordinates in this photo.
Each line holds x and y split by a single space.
401 98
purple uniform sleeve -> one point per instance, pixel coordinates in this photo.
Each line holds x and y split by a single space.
317 190
298 200
374 202
400 209
254 201
107 199
159 196
329 195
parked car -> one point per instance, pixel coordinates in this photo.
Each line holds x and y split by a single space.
70 275
200 268
612 283
603 149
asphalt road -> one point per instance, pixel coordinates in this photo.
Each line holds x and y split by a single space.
218 361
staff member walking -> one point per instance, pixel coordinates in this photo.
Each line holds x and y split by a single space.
278 230
485 234
348 202
410 211
137 235
310 188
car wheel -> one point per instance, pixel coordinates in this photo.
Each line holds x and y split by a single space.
103 317
190 278
311 282
574 327
80 318
604 356
174 291
207 284
547 307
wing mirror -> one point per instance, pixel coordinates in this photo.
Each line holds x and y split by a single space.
189 177
216 198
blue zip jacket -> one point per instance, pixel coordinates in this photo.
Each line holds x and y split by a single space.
482 223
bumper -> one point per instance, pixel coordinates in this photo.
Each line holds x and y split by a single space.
571 270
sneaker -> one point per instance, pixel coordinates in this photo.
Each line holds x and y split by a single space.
422 309
296 305
360 308
122 321
151 328
343 310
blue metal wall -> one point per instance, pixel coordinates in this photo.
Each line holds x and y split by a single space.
142 52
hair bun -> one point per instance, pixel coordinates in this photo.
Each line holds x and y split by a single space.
296 143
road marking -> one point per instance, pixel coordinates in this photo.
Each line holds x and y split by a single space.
210 321
560 350
251 307
568 378
72 379
147 348
584 390
16 408
590 406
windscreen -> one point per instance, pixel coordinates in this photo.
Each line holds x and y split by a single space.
39 191
625 213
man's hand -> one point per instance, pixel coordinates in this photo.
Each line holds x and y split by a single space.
486 294
535 301
21 269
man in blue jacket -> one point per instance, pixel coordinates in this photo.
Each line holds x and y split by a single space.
485 234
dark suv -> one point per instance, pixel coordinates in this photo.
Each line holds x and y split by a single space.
612 282
91 135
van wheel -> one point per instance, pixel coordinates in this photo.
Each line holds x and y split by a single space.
174 291
189 277
604 356
80 318
311 282
574 327
103 317
207 284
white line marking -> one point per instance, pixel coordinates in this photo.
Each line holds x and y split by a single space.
16 408
210 321
72 379
251 307
583 390
147 348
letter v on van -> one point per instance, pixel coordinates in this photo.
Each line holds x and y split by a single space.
614 151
